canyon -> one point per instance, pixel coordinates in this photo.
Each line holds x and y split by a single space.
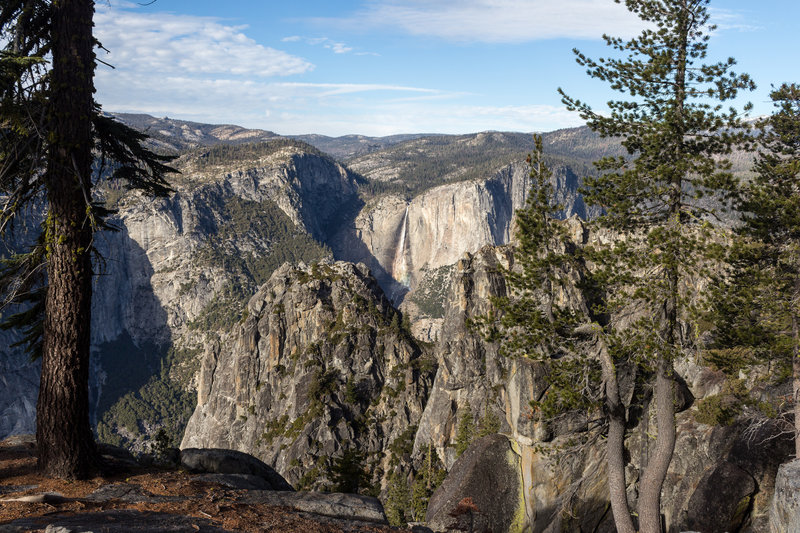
305 304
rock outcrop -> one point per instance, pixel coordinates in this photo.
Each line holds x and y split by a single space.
473 380
784 513
320 366
180 269
488 475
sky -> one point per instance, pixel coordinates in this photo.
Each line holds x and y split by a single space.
383 67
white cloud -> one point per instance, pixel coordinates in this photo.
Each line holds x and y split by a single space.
325 42
497 20
154 43
726 19
325 108
330 89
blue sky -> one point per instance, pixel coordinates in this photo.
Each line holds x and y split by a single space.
380 67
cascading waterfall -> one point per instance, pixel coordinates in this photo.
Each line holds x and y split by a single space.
400 270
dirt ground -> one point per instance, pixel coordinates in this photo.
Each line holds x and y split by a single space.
208 503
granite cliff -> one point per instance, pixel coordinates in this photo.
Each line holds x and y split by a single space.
322 365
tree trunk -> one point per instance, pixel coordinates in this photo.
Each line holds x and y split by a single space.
796 365
653 478
65 442
615 447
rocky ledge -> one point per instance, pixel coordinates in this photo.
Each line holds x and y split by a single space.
210 490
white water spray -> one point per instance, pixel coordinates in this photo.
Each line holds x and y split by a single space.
400 264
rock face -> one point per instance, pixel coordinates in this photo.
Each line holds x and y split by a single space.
488 473
401 240
473 380
321 365
175 272
784 513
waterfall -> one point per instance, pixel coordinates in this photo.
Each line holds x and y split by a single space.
400 264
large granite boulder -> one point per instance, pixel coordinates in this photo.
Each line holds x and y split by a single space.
218 461
784 514
483 490
721 500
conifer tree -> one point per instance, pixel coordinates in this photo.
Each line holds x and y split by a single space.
52 132
551 314
757 311
466 430
662 198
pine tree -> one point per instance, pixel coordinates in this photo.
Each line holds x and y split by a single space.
661 198
466 431
398 500
51 132
550 314
757 313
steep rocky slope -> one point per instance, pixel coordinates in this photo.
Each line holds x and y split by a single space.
180 269
721 478
321 366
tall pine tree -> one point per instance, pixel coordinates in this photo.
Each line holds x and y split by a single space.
552 313
758 301
662 198
52 132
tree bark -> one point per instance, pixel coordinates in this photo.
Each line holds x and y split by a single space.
796 364
615 446
66 446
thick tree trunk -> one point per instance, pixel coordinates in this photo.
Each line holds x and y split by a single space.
656 472
615 447
65 442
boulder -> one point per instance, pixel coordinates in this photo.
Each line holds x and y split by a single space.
332 504
721 500
483 490
784 514
219 461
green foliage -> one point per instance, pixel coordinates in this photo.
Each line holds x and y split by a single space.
550 294
348 473
29 144
756 299
253 223
431 293
229 154
466 430
164 401
398 500
425 483
723 408
403 445
489 423
660 200
323 383
435 160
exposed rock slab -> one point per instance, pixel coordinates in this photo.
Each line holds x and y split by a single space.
488 473
219 461
331 504
784 514
116 521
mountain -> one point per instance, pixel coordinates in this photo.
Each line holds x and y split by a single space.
312 309
321 366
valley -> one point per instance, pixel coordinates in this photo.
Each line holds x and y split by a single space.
309 301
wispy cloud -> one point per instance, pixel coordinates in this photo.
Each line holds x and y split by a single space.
335 46
330 89
162 43
726 19
497 21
